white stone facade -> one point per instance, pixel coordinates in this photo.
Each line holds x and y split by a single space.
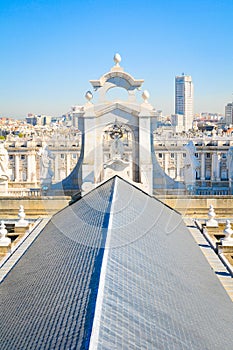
212 177
24 160
24 163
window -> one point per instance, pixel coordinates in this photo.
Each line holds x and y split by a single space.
22 156
197 155
11 157
74 155
160 155
172 155
224 175
207 174
184 155
62 156
207 155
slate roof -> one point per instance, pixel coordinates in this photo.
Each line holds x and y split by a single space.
115 270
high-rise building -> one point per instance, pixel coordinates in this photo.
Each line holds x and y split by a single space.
229 114
184 99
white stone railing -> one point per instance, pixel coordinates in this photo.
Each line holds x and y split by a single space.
208 192
23 193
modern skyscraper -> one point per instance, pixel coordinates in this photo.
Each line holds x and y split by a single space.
184 99
229 114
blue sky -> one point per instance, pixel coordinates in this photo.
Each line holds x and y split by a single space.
51 49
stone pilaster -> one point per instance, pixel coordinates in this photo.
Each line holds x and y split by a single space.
213 167
56 166
17 167
203 166
178 166
218 159
166 162
29 167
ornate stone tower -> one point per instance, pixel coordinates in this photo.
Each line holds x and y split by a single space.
117 135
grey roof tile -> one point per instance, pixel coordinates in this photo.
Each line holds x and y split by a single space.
159 292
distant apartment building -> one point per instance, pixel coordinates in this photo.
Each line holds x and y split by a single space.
229 114
41 120
184 100
177 121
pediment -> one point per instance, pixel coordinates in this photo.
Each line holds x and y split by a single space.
117 106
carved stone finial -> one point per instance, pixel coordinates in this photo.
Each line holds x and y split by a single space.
21 214
89 96
211 222
145 96
4 241
117 59
228 232
211 212
3 230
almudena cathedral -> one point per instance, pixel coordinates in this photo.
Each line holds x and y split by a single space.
113 236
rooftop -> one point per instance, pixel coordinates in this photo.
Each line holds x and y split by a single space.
116 269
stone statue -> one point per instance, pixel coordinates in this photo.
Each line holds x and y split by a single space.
117 148
117 164
191 164
230 163
3 163
46 172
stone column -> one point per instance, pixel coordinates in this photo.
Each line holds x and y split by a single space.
218 166
17 167
203 166
178 163
56 174
166 162
29 167
213 166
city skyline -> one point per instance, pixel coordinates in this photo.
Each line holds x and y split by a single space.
51 49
